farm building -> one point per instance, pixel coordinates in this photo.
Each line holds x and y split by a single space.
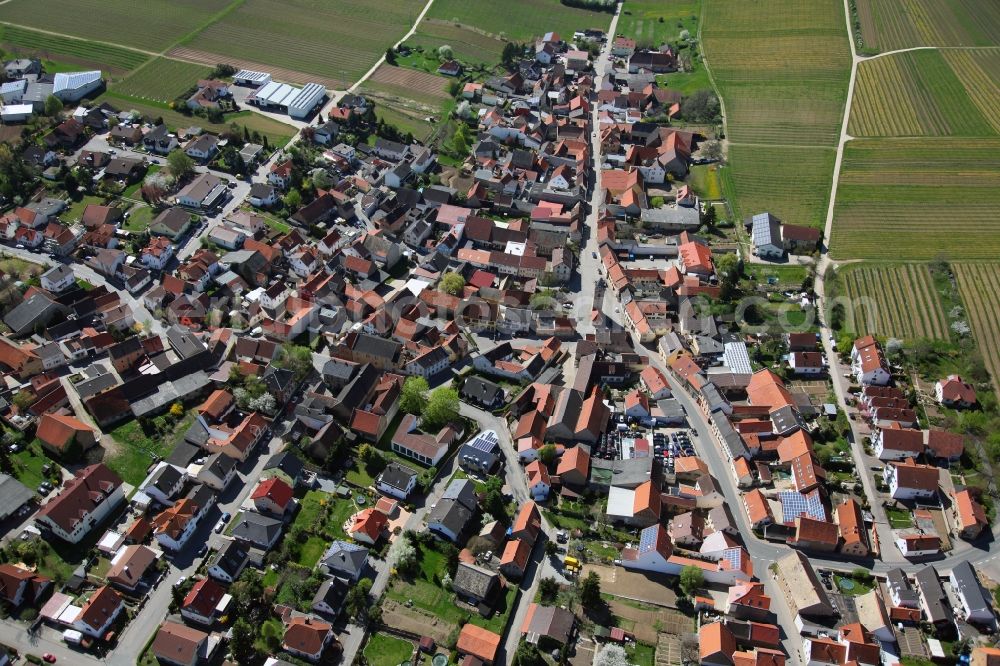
74 86
16 113
250 78
296 102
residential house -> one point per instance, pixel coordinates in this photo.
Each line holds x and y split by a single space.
478 643
910 481
172 223
257 531
329 598
204 602
452 514
306 637
228 561
129 566
345 560
868 362
177 644
482 454
99 612
976 607
367 526
397 481
475 584
955 392
968 516
83 503
272 496
20 586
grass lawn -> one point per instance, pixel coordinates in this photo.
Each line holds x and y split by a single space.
385 650
851 586
319 520
565 522
705 181
641 654
139 219
137 448
75 210
277 224
312 550
781 276
479 485
28 465
899 519
686 82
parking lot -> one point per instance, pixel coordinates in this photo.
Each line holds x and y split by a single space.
638 442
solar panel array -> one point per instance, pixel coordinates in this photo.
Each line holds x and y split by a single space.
648 538
485 441
733 556
795 504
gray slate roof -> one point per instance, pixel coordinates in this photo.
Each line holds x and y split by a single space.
13 494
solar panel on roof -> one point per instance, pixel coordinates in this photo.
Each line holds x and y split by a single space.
647 539
733 556
795 504
485 441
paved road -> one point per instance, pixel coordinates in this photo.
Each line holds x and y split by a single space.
590 263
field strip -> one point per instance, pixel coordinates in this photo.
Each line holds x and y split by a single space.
80 39
279 73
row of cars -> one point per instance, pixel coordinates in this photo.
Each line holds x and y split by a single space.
667 448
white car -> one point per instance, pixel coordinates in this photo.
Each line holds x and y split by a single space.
219 526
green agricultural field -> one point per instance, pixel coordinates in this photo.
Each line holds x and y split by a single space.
403 120
790 182
979 71
337 41
895 300
896 24
782 68
926 93
918 198
161 80
654 22
468 45
151 25
69 51
519 20
979 288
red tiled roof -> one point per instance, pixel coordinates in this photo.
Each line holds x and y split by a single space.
306 635
478 642
274 489
203 597
58 430
100 607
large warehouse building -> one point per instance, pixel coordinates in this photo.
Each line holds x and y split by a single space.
285 98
